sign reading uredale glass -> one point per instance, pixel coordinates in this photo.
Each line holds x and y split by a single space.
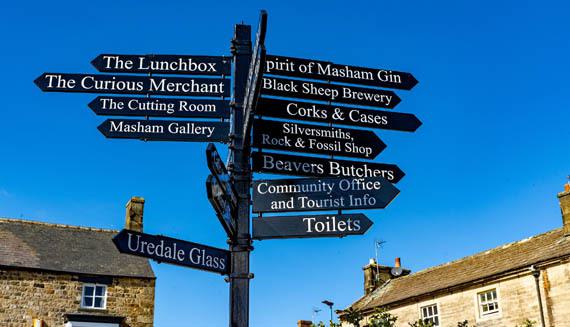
324 70
174 251
312 194
131 84
162 64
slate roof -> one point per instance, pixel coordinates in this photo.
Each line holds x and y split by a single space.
63 248
503 259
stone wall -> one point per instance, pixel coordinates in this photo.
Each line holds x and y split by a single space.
517 300
25 295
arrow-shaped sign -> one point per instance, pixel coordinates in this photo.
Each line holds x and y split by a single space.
285 164
162 64
166 130
297 110
173 251
291 88
131 84
316 139
318 194
222 205
325 70
220 173
310 226
160 107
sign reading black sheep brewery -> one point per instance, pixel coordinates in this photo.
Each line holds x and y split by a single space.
290 88
174 251
316 194
160 107
166 130
324 70
162 64
131 84
310 226
296 137
285 164
297 110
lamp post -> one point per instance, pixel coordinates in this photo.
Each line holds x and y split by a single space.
330 305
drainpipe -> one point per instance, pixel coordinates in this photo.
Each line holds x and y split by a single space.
536 274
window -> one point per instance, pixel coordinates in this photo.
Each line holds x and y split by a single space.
94 296
488 303
430 313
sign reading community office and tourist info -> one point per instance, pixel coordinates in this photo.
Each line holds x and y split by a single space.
318 119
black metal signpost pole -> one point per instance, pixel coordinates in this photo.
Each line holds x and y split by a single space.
241 174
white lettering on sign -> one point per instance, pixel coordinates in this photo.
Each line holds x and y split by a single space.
150 64
331 224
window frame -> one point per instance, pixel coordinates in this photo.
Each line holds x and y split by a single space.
94 296
437 315
479 305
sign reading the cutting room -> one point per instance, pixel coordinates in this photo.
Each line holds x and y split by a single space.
324 70
329 92
310 226
131 84
162 64
312 194
316 139
160 107
166 130
293 109
171 250
284 164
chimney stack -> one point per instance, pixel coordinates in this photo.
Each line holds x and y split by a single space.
304 323
375 276
564 198
134 215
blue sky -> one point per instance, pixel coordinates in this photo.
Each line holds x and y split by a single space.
483 170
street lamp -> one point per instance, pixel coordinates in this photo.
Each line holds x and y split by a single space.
330 305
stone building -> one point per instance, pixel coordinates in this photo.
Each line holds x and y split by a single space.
528 279
66 276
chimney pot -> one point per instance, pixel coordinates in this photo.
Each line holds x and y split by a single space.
397 263
564 198
134 214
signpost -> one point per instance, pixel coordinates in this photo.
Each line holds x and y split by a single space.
285 164
131 84
309 226
297 137
173 251
306 111
165 130
162 64
160 107
292 88
334 184
318 194
325 70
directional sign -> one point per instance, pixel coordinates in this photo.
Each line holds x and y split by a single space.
310 226
292 109
166 130
174 251
222 204
284 164
329 92
253 88
325 70
316 139
317 194
131 84
160 107
220 173
162 64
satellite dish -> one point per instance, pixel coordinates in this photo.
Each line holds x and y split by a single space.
396 271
